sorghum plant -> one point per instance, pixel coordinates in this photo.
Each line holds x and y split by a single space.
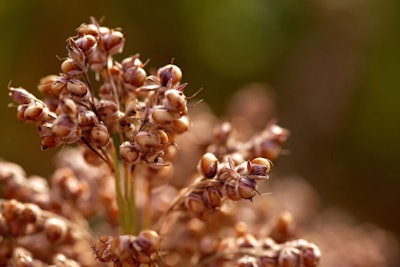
123 196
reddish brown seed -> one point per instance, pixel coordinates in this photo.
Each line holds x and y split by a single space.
45 84
175 100
77 87
194 202
129 152
289 257
114 42
212 197
180 125
135 76
55 229
63 126
259 166
87 43
69 67
100 135
168 73
147 140
161 116
311 256
208 165
246 187
231 192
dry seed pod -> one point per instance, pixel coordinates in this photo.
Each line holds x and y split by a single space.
132 61
208 165
147 140
21 96
102 249
232 192
169 72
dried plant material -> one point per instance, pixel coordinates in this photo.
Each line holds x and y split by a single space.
140 188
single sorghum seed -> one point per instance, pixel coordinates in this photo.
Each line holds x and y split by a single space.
129 152
208 165
194 202
180 125
114 42
289 257
87 43
77 87
45 84
135 76
161 116
100 135
246 187
55 229
311 256
168 73
259 166
212 197
175 100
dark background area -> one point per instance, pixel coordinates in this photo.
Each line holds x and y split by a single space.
334 66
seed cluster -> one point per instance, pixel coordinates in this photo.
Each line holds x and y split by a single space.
124 182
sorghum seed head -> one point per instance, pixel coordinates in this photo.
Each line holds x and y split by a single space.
55 229
169 72
208 165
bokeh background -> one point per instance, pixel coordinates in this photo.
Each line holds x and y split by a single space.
332 65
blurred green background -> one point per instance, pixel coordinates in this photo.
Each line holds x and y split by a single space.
334 66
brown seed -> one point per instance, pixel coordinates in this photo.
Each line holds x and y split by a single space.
114 42
259 167
45 84
161 116
135 76
208 165
246 187
55 229
129 152
194 202
63 126
100 135
77 87
175 100
169 72
212 197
